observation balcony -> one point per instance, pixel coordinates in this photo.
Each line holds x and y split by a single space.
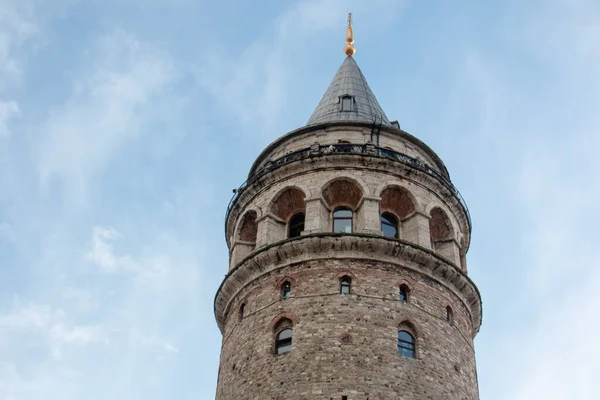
367 149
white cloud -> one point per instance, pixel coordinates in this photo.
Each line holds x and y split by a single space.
109 106
102 254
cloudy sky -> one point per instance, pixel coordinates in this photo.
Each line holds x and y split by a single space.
124 125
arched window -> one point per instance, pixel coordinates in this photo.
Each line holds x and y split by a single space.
286 290
389 225
342 220
296 225
449 315
404 293
345 283
283 341
406 344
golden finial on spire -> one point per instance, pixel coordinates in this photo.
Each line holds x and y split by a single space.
349 50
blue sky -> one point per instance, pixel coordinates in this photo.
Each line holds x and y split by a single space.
124 125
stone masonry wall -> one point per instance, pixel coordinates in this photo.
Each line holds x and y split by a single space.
314 185
320 366
345 346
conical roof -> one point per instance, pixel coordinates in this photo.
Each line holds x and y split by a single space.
349 81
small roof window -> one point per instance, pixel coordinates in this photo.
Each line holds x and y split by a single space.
347 102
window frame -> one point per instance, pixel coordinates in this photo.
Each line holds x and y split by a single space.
406 348
350 104
283 343
343 218
295 224
286 290
396 223
449 315
403 291
345 283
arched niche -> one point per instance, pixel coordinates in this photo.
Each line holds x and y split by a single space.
440 227
397 200
344 195
441 233
288 202
245 237
400 203
342 192
287 213
248 228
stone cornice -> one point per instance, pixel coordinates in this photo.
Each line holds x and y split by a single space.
322 246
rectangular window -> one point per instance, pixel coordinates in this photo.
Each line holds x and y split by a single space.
346 103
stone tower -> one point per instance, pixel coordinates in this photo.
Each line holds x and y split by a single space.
347 277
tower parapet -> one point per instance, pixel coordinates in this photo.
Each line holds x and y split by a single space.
347 275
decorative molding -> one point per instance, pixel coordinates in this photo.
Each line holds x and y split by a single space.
319 246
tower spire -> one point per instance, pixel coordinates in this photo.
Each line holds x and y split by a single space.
349 50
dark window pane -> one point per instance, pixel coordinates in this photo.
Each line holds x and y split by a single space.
345 285
387 218
406 344
296 225
389 225
286 291
403 293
